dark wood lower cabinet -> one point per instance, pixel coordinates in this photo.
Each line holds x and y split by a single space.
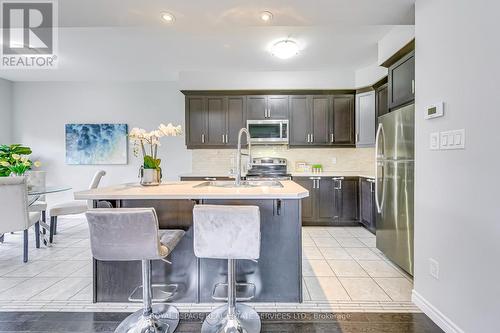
331 201
367 213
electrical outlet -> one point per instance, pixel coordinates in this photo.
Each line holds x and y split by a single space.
334 160
434 268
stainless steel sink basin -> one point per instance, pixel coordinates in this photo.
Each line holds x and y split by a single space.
243 184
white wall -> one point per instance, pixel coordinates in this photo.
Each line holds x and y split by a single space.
334 79
41 109
5 111
367 76
398 37
457 209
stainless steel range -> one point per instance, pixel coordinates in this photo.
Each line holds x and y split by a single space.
268 168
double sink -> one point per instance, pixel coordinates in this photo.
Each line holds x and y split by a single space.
243 184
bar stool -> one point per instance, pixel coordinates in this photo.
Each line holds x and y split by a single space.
228 232
126 234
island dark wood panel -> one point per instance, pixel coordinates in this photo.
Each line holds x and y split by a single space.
276 275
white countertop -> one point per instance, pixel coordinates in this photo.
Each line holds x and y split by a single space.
334 174
186 190
296 174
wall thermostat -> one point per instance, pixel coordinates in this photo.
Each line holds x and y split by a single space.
434 111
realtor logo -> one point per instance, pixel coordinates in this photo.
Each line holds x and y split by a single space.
29 34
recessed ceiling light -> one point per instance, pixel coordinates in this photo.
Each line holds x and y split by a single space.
266 16
285 49
168 17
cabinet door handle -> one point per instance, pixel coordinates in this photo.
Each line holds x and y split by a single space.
203 138
210 178
413 86
223 138
227 140
357 137
312 138
332 138
268 113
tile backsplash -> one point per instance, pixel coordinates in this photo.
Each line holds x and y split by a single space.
221 161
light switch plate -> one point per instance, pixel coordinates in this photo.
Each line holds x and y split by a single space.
434 141
454 139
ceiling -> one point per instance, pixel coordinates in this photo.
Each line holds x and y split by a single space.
127 40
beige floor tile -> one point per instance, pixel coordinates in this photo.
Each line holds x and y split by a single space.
28 288
316 268
63 269
360 232
85 271
347 268
325 288
63 290
32 268
7 283
339 232
368 241
325 242
317 232
379 268
305 293
399 289
362 253
363 289
334 253
349 242
311 252
307 241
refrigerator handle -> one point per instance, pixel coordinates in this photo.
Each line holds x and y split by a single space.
377 203
380 129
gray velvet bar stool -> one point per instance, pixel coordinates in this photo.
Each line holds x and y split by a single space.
126 234
232 233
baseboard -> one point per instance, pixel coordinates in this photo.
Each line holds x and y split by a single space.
436 316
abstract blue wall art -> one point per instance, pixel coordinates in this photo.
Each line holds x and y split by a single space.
96 144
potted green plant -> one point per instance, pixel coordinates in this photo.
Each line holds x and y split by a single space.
14 160
147 143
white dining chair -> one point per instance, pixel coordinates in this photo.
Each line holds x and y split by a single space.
15 215
72 207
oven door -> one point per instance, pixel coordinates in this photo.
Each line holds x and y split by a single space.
268 131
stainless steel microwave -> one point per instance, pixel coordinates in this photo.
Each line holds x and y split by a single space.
268 131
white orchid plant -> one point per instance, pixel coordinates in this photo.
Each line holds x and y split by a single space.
148 142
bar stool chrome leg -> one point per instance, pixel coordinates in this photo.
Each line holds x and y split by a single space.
157 318
232 317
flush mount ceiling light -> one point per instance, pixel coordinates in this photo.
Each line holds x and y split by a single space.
266 16
285 49
168 17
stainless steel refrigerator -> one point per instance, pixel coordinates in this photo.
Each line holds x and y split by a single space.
394 185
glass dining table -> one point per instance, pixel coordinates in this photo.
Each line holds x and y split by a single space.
34 193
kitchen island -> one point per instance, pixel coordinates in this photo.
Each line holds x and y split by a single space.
276 275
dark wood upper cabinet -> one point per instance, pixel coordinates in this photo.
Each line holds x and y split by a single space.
381 100
267 107
236 119
401 83
277 107
320 114
196 120
300 119
214 121
342 121
257 107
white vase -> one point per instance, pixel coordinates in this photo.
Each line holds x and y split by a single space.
150 177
